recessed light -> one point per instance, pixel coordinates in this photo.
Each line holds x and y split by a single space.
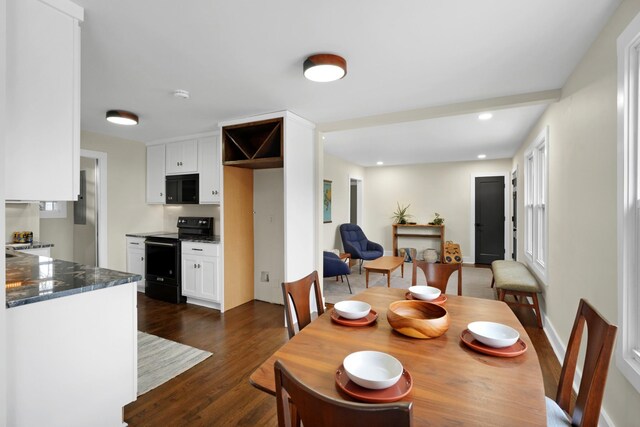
482 156
379 163
485 116
325 67
183 94
121 117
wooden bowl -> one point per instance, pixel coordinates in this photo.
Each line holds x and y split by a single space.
418 319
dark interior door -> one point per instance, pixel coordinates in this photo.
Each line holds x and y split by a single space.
489 221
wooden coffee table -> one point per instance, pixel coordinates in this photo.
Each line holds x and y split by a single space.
384 265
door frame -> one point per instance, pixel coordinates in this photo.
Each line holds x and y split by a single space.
101 204
472 218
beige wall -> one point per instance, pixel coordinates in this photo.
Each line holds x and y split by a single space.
22 217
429 188
59 231
339 173
582 201
126 193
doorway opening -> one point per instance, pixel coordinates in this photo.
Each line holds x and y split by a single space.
355 201
90 211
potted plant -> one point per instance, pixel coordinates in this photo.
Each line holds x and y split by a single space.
400 215
438 220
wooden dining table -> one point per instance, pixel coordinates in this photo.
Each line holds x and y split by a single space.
452 384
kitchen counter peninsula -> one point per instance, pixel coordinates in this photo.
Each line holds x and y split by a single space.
71 342
33 278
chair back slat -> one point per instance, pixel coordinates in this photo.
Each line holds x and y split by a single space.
296 300
298 403
600 340
437 274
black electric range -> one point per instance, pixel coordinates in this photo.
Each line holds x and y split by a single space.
163 257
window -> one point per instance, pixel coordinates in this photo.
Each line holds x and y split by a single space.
53 209
535 203
628 354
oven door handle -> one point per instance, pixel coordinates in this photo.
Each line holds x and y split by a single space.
159 244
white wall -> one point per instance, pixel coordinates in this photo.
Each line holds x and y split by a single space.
268 227
339 172
126 194
429 188
582 201
3 361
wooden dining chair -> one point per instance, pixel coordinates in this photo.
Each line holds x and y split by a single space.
437 274
299 292
600 338
298 403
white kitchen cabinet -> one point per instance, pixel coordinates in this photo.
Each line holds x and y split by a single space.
201 273
135 258
37 251
43 95
182 157
156 174
209 169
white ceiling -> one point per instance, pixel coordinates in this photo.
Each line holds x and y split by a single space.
244 57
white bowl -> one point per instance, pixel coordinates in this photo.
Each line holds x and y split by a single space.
425 293
352 309
493 334
372 369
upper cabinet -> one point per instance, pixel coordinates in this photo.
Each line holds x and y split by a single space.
255 145
155 174
43 92
209 168
199 154
182 157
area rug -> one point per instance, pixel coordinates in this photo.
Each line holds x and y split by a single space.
476 282
160 359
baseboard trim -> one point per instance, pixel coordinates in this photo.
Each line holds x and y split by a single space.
559 348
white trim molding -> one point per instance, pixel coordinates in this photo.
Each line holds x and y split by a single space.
471 258
628 225
536 199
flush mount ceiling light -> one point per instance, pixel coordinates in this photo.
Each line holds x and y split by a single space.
379 163
482 156
325 67
485 116
182 94
121 117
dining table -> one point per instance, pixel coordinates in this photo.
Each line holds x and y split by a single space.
452 384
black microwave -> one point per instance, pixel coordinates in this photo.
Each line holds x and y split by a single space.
182 189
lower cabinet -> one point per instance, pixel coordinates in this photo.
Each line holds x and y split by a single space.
201 273
135 258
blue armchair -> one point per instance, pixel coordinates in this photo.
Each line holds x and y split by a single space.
333 266
357 244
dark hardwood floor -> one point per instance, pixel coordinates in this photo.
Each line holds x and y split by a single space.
217 392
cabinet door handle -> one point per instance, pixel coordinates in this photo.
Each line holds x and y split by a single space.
134 243
141 258
199 266
160 194
195 265
197 249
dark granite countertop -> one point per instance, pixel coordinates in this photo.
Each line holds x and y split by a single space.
32 278
32 245
212 239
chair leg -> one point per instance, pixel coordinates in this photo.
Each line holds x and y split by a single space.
493 281
349 284
534 297
501 294
361 261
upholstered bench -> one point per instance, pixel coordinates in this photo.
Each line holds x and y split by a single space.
514 278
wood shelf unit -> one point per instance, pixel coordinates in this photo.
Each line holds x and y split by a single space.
439 235
254 145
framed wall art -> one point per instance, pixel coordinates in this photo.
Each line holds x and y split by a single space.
326 204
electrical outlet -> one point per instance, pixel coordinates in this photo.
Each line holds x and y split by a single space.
264 276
